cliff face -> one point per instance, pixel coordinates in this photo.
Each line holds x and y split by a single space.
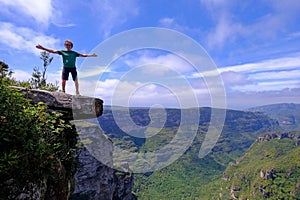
93 179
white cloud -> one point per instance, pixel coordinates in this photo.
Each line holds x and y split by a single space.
231 78
40 11
277 21
169 61
172 96
172 24
113 13
124 93
283 63
225 29
21 75
291 74
52 77
293 35
266 75
268 86
90 71
101 89
24 39
115 92
213 4
167 21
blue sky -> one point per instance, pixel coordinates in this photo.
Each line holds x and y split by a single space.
254 44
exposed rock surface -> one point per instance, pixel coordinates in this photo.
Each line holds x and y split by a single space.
72 106
94 179
271 136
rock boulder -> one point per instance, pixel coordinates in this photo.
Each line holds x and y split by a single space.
71 106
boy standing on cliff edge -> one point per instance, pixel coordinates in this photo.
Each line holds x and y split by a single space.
69 63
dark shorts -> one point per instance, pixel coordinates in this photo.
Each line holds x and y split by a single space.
66 71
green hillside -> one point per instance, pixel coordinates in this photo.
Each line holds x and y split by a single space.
275 157
270 169
186 178
287 114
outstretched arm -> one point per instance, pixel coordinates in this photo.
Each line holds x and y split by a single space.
88 55
45 49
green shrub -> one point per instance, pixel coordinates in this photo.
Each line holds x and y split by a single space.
32 141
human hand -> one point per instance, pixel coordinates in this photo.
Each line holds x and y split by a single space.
39 46
94 55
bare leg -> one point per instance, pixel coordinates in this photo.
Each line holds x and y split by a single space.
63 85
77 86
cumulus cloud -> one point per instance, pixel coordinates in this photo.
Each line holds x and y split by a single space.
232 78
24 39
39 14
124 93
40 11
246 85
170 61
21 75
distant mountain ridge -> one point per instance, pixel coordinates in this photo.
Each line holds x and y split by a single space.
287 114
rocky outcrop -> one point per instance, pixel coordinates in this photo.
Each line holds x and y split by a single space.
94 178
72 106
96 181
270 174
271 136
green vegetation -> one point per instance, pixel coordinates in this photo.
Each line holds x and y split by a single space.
34 144
193 178
188 176
39 80
269 169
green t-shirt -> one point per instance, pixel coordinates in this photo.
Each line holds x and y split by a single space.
69 58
